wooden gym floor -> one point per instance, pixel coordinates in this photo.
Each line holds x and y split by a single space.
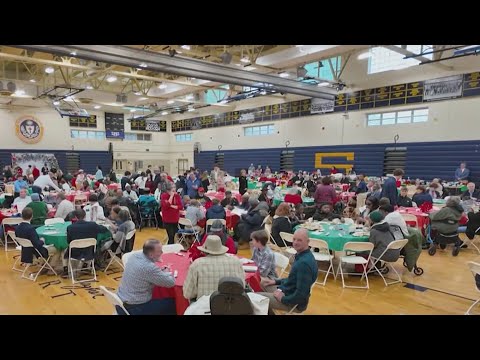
446 287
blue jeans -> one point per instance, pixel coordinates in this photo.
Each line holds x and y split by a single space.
153 307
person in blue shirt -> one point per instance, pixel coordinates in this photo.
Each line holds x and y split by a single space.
99 173
361 185
193 183
389 189
19 184
462 173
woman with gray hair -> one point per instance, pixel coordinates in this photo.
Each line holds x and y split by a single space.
251 221
171 204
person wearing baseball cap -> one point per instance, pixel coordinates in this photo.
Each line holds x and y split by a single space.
201 196
204 273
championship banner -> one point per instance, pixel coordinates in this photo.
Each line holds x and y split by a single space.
322 106
38 159
443 88
152 125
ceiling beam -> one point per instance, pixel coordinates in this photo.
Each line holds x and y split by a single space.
122 55
406 52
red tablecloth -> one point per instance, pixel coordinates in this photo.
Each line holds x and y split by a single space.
71 196
113 186
221 195
345 187
181 264
6 213
345 196
232 219
422 218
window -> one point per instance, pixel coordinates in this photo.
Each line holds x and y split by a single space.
322 70
138 137
183 137
383 59
213 96
84 134
398 117
259 130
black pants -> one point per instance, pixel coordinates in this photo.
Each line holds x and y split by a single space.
171 231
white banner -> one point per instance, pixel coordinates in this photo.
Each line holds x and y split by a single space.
322 106
443 88
37 159
152 125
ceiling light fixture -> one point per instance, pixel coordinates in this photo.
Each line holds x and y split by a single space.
284 74
33 80
263 92
56 103
49 69
189 97
324 83
89 87
138 93
164 112
250 68
133 110
143 65
142 98
245 60
191 109
162 86
186 47
97 107
73 53
364 55
111 78
170 101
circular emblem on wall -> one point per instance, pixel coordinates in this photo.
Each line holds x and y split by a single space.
29 129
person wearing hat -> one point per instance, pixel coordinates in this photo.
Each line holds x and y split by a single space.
393 217
39 209
205 273
45 169
264 195
201 196
229 200
380 236
218 229
19 184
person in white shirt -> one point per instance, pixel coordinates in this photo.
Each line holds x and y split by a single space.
65 186
80 177
130 193
158 193
140 181
93 210
99 174
21 201
393 217
64 206
42 182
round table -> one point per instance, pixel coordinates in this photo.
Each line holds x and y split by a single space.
56 235
308 201
335 235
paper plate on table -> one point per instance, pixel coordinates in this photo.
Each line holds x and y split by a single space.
360 234
250 268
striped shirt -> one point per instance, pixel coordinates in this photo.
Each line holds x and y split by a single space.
265 260
139 278
205 273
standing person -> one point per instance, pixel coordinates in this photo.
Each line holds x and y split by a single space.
325 192
242 182
205 180
112 176
171 204
35 172
192 185
389 189
99 173
462 173
29 171
45 169
214 176
125 179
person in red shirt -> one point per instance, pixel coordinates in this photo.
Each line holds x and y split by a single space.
333 170
293 197
218 229
35 172
171 204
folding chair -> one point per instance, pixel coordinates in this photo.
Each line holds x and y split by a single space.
146 212
80 200
126 256
82 244
54 221
11 233
467 241
394 245
475 269
292 310
324 256
115 258
172 248
288 250
410 219
281 263
113 299
187 229
353 247
10 222
271 241
210 223
25 243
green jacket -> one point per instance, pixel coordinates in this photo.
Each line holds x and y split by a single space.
413 249
40 212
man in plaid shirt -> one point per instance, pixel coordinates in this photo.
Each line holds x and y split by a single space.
262 255
205 273
294 290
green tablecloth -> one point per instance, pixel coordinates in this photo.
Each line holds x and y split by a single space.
306 201
335 239
251 185
439 201
56 235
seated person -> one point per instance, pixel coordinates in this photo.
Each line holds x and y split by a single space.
393 217
251 221
432 190
403 199
82 229
93 210
446 220
298 216
140 276
204 273
294 290
216 211
422 196
125 226
244 204
26 231
217 229
229 200
293 197
371 204
380 236
281 223
19 184
325 213
64 206
471 193
473 224
64 185
40 210
186 201
22 200
201 196
194 214
383 201
129 193
262 255
350 210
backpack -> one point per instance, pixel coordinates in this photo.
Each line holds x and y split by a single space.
230 299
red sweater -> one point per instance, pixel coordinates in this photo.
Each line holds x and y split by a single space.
293 199
195 253
169 214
